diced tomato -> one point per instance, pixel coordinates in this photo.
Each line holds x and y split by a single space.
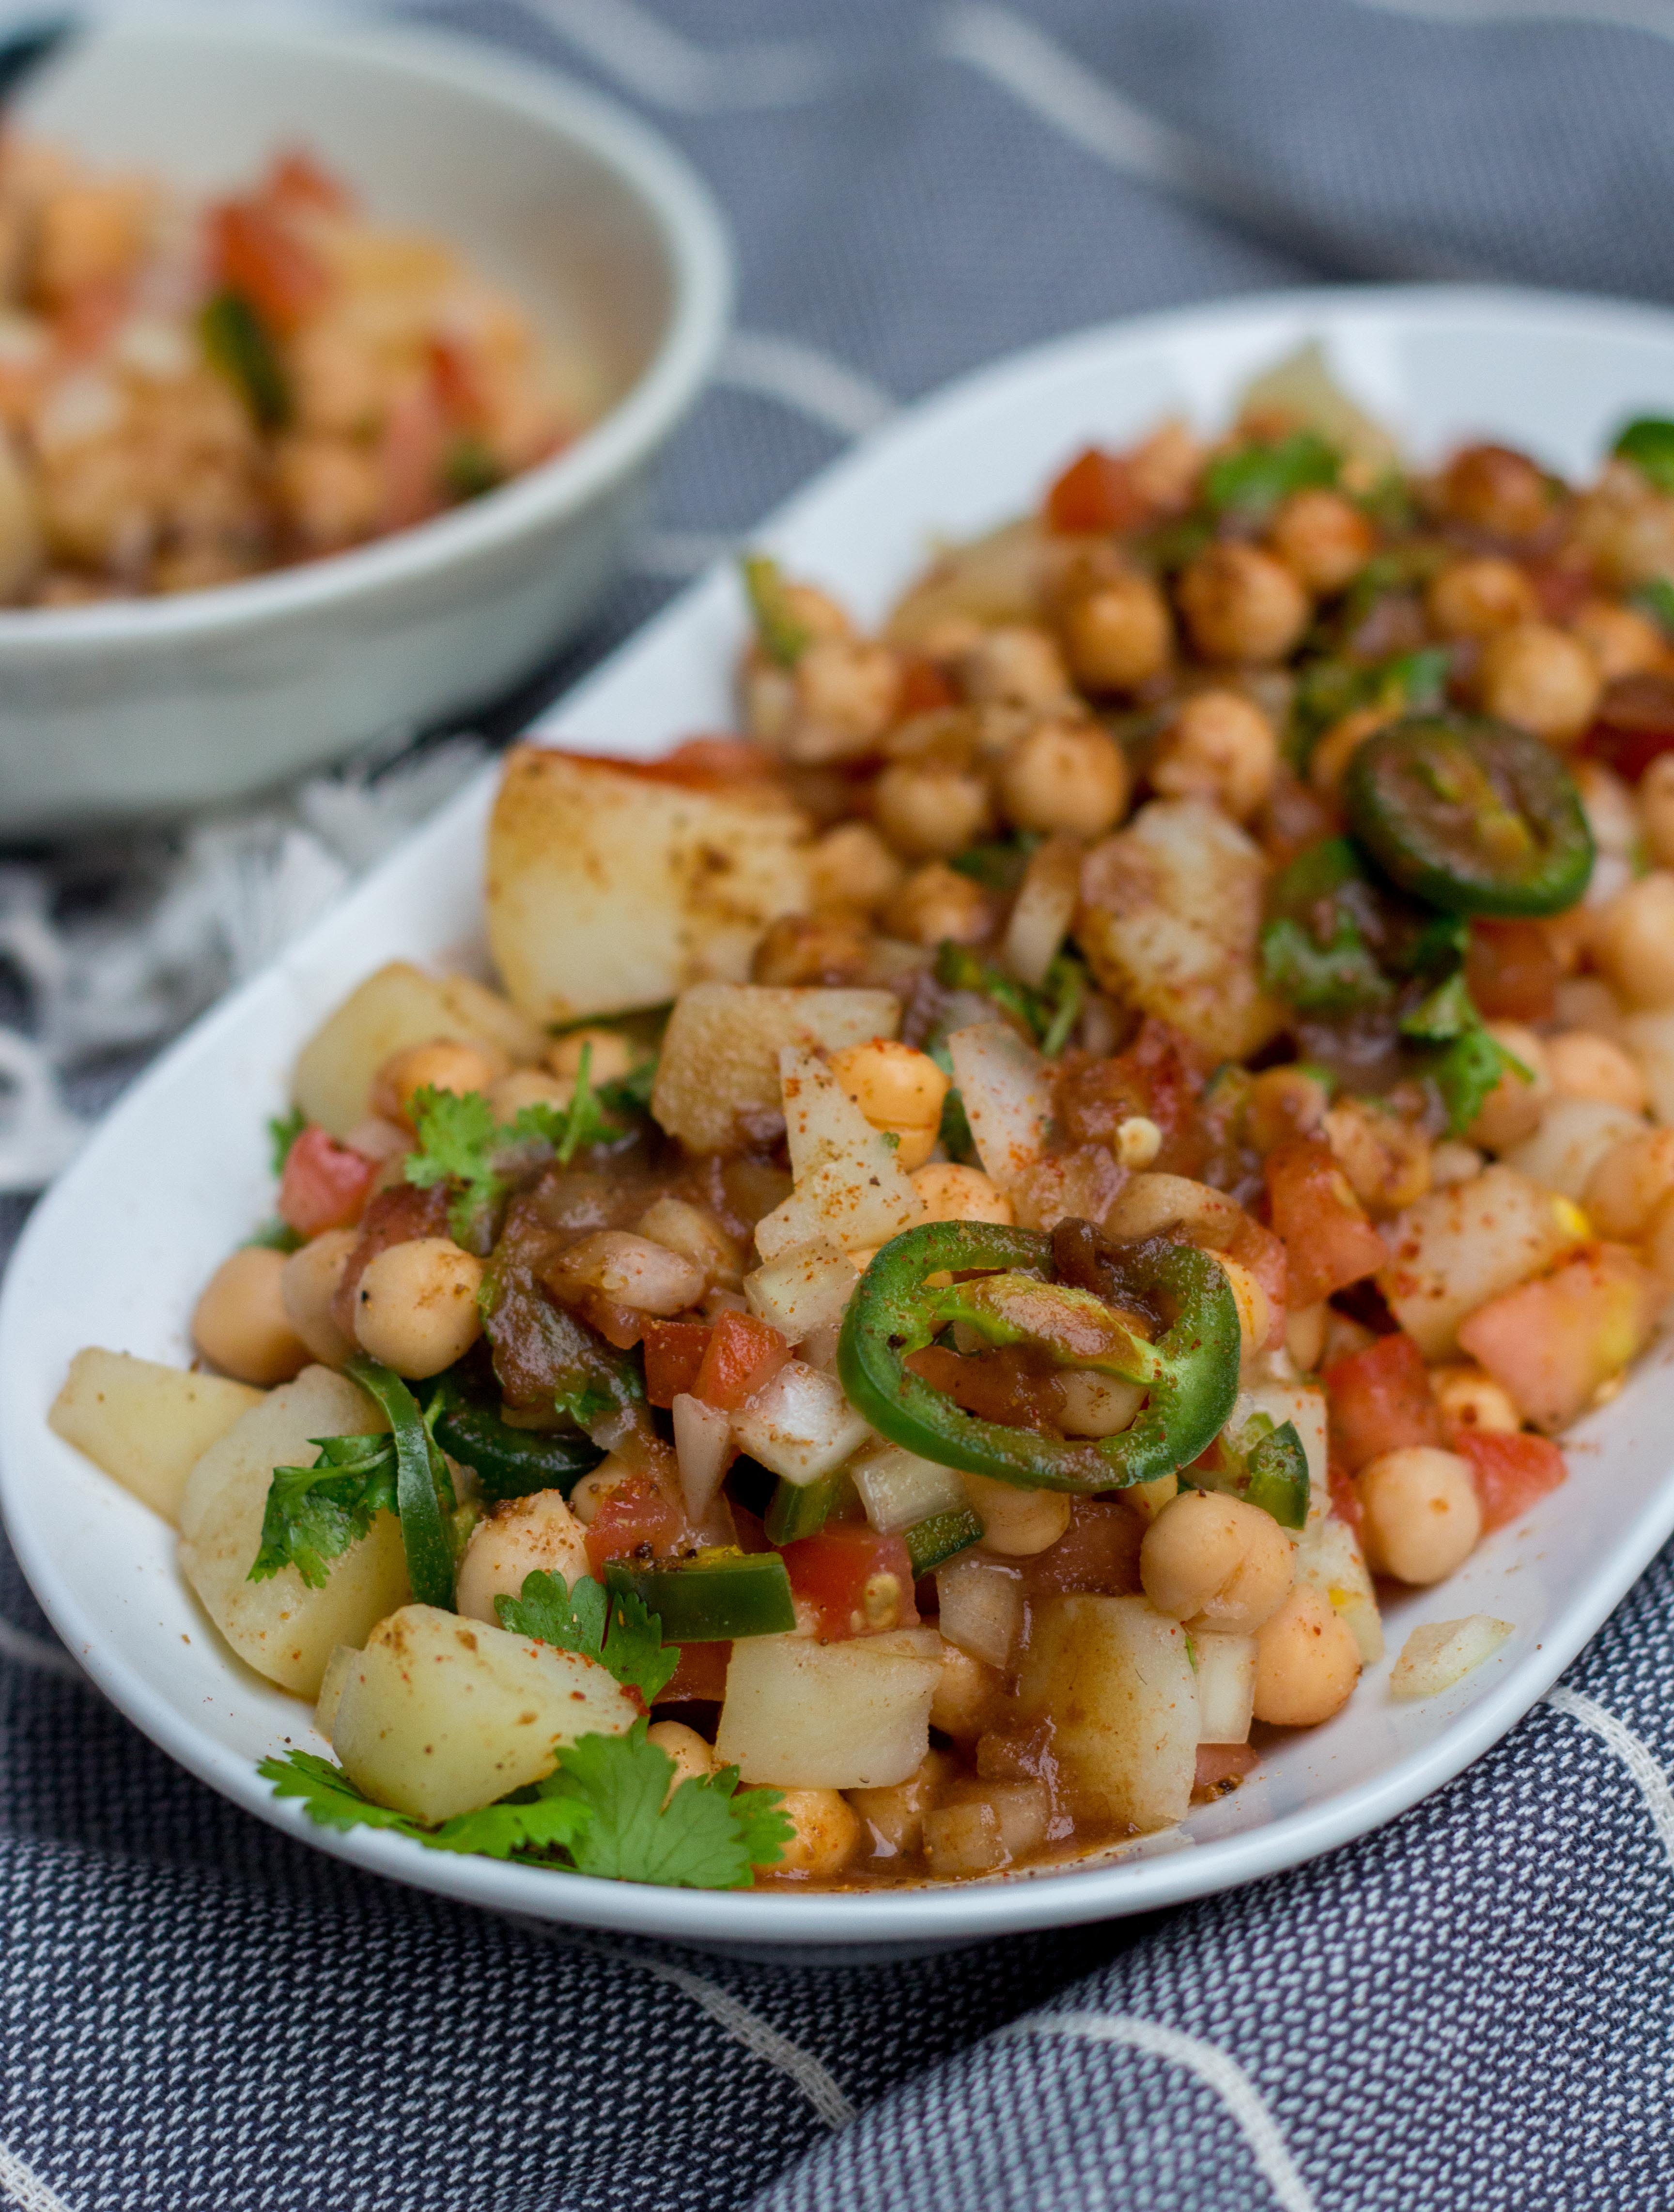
1095 493
1634 723
636 1520
924 688
458 383
1329 1241
1345 1498
857 1581
297 180
256 254
410 456
673 1353
701 1674
1220 1768
1512 1471
742 1354
1264 1254
1511 970
1380 1400
1552 1343
324 1184
1559 591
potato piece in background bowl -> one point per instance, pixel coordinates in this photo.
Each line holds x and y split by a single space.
612 888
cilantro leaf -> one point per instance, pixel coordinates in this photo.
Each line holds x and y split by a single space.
999 866
313 1514
1252 481
783 636
458 1138
631 1093
614 1627
1337 977
283 1131
699 1838
276 1236
524 1823
1648 443
1474 1060
1049 1015
1655 597
585 1120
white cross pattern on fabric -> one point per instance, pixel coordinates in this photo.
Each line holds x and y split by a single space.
662 64
1211 2064
20 2186
1634 1754
17 1644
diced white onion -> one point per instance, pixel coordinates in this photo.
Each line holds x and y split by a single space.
805 1289
634 1271
981 1609
799 1424
853 1714
704 1446
1008 1099
1044 909
1153 1204
1225 1671
898 1489
1574 1136
1443 1652
1329 1556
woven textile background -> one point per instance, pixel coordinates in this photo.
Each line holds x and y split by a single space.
1470 2011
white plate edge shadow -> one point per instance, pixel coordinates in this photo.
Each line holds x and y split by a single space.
1504 1689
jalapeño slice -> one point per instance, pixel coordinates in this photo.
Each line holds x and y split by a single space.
1471 815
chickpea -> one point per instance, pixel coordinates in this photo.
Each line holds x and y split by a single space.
630 1271
416 1305
1255 1308
1656 806
1165 467
1611 811
1117 635
937 903
1629 1184
241 1325
851 865
897 1090
1304 1335
307 1285
1541 680
1495 489
1469 1398
822 949
1215 1560
1633 941
1222 748
1622 641
444 1063
967 1693
1307 1661
696 1234
1421 1515
1015 665
896 1815
1452 1162
1512 1108
847 694
1065 776
1583 1066
693 1759
1386 1160
611 1057
957 1194
1475 598
537 1535
1284 1102
930 810
1327 763
826 1834
1323 537
1658 1244
527 1086
1241 604
1017 1523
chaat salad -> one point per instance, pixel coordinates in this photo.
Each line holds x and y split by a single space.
991 1218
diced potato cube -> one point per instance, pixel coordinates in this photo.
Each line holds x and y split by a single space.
1443 1652
397 1006
718 1078
1329 1558
1459 1247
609 889
850 1716
439 1715
805 1289
1115 1680
1172 911
281 1627
146 1424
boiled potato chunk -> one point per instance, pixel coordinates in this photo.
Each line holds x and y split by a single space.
147 1424
439 1714
281 1627
609 889
852 1716
397 1006
718 1078
1115 1679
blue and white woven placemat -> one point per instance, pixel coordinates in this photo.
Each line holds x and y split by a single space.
1468 2012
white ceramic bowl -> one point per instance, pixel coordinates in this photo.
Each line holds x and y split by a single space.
117 1251
147 705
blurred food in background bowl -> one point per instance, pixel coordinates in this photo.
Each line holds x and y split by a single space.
580 254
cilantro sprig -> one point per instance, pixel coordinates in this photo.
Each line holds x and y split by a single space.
609 1807
1050 1014
1470 1061
283 1131
614 1627
313 1514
